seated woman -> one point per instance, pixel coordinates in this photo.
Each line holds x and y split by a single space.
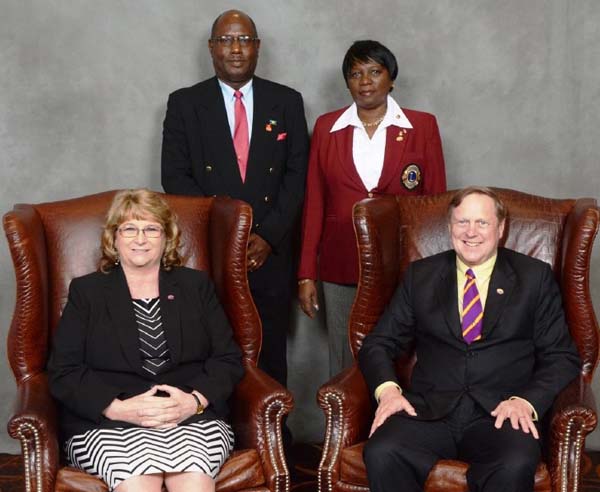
373 147
144 359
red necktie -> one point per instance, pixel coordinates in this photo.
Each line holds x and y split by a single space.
472 310
240 134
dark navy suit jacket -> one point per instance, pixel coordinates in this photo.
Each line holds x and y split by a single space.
525 350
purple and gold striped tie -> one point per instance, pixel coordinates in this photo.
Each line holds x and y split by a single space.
472 314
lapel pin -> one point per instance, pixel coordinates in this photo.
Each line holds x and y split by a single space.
270 124
171 297
401 134
500 291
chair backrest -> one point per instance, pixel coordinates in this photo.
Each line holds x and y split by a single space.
52 243
392 231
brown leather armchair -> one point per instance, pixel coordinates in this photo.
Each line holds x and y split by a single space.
50 244
393 231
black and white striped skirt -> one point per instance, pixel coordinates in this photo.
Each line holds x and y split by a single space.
117 454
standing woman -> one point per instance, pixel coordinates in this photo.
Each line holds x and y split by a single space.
144 359
371 148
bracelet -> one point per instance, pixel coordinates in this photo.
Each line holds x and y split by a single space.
305 281
200 407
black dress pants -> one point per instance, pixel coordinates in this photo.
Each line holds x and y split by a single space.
401 453
271 288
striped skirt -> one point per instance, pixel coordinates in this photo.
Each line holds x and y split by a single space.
118 454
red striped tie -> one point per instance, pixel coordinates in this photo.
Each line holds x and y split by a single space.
472 314
240 134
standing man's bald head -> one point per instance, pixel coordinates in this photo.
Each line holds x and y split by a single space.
232 14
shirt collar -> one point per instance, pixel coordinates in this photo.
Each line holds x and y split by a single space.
228 91
393 116
481 271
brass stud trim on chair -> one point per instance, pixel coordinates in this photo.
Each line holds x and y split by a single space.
578 443
279 438
330 397
564 458
22 432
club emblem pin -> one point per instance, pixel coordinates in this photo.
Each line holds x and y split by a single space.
411 176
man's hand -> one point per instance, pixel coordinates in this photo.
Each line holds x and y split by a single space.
258 251
519 414
391 401
307 295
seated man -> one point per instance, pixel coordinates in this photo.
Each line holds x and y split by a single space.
493 350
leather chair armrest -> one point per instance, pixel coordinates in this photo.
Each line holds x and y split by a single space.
34 423
572 417
258 408
580 232
346 402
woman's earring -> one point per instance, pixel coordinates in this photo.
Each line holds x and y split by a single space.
117 261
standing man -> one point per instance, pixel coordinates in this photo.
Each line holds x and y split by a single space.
493 350
242 136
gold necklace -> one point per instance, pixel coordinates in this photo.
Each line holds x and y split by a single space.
372 123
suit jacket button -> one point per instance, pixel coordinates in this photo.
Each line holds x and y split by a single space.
267 198
257 225
208 168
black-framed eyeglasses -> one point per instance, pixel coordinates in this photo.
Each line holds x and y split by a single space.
130 231
243 40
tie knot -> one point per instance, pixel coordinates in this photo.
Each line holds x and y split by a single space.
470 274
238 94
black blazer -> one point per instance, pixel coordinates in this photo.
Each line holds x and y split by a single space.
96 355
198 157
525 350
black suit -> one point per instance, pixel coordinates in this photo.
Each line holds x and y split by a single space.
96 351
525 350
198 158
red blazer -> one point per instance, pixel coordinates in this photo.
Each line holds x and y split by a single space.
334 186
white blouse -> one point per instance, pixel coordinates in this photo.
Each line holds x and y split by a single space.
369 153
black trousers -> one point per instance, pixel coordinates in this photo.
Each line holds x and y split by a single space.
271 288
401 453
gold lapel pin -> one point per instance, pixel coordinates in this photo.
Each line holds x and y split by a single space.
400 136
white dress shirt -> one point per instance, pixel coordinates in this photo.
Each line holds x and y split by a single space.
369 153
247 99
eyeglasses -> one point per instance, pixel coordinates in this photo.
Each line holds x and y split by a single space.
244 40
130 231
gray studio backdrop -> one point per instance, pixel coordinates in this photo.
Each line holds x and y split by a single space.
84 85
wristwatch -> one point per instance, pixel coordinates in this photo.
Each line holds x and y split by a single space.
200 407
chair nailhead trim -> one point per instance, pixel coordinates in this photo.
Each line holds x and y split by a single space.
330 398
280 459
22 432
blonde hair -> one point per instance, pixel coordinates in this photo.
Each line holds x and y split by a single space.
140 204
